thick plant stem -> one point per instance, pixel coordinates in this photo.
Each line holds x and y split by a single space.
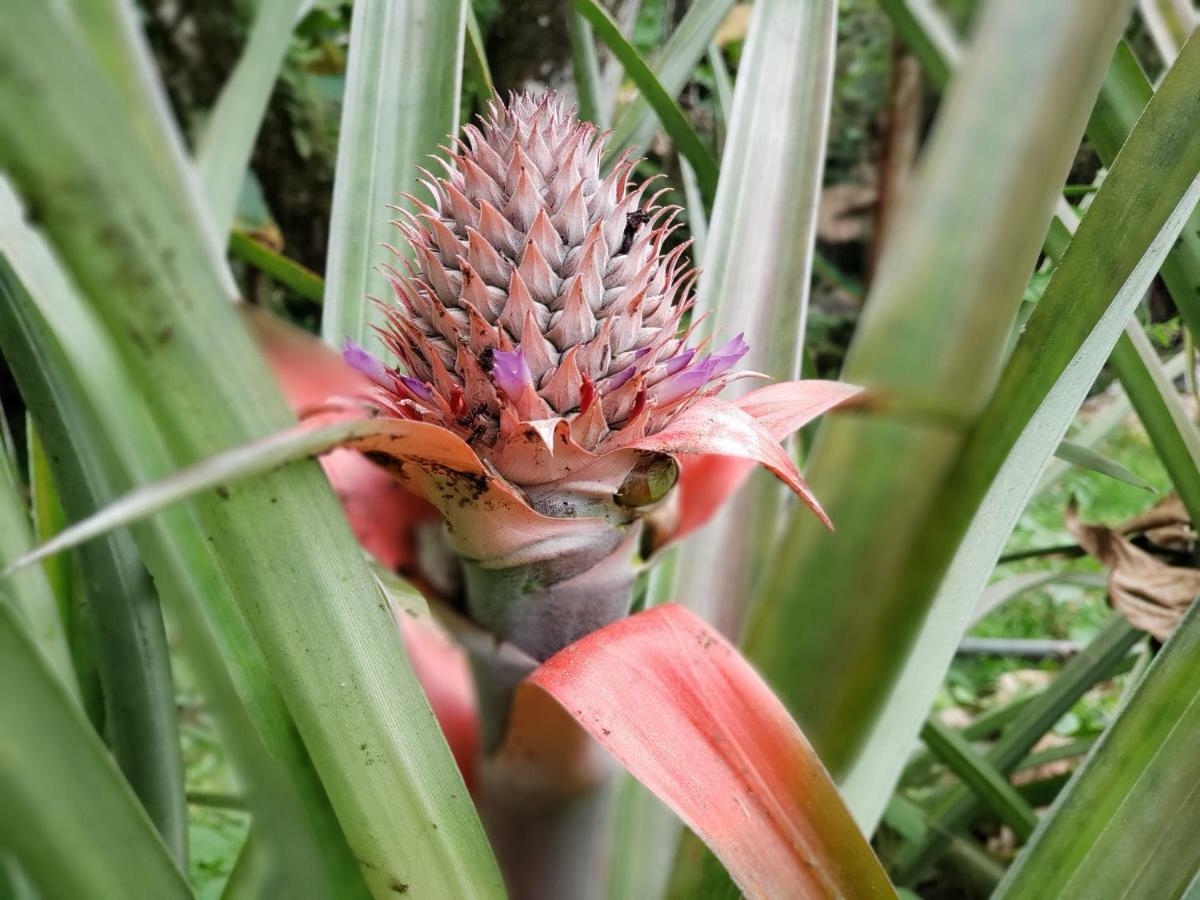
545 787
545 800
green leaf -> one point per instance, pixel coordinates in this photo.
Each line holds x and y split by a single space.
991 787
923 29
955 808
54 766
67 369
29 592
674 122
1125 93
113 32
224 148
634 125
758 265
1000 592
288 272
283 542
1126 824
1087 458
403 83
586 66
1104 421
930 345
217 472
476 56
1161 411
127 642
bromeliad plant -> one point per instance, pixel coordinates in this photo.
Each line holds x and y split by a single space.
542 409
541 384
542 404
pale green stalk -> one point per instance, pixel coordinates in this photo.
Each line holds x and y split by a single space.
403 83
758 264
224 148
929 347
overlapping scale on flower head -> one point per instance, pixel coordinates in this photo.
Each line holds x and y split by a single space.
540 293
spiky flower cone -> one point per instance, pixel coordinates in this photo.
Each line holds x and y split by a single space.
542 293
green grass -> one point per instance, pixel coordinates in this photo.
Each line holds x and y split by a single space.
1059 611
214 835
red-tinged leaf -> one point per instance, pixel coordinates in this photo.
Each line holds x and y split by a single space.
787 406
712 426
487 519
308 371
445 675
382 514
690 719
707 480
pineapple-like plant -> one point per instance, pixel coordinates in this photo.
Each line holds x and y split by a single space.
537 392
542 337
538 414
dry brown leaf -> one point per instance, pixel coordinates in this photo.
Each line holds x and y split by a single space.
734 26
1148 592
845 212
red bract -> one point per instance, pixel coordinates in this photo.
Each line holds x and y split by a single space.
691 720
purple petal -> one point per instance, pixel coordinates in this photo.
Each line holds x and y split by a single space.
362 361
675 363
418 388
686 382
727 357
511 372
620 378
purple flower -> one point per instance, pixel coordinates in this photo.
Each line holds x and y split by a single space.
727 357
418 388
511 373
676 363
620 378
362 361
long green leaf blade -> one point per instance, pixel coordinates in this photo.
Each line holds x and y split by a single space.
684 137
403 83
981 777
957 806
1126 824
112 31
1161 411
53 765
758 265
1057 365
131 655
634 125
1124 95
66 368
1087 458
69 370
29 592
224 148
930 344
